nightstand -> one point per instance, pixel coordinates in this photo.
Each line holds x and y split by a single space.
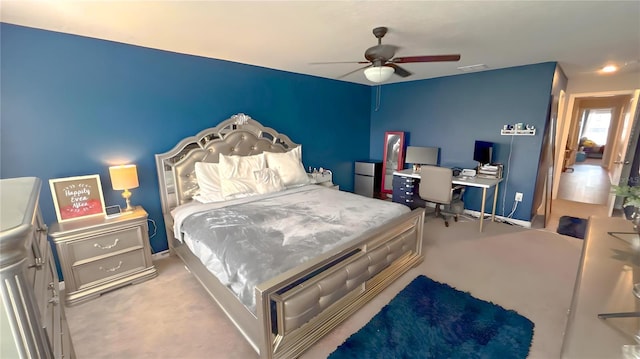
100 254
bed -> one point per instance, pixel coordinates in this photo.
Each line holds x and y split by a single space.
281 311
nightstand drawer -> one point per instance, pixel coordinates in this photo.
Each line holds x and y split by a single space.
107 268
107 243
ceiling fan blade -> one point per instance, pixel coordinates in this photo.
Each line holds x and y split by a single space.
432 58
350 72
339 62
399 70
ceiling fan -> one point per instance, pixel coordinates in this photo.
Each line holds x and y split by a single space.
381 63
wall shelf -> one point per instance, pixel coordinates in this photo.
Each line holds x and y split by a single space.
518 132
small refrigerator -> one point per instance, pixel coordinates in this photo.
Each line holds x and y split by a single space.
368 178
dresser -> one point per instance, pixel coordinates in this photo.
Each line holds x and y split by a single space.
405 191
33 323
99 254
609 269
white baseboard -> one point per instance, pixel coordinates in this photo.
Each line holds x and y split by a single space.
476 214
160 255
518 222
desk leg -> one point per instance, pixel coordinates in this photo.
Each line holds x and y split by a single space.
495 200
484 200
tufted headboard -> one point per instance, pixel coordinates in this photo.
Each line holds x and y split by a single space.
238 135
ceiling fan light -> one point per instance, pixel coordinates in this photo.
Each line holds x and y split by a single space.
378 74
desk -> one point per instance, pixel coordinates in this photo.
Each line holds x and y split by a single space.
406 182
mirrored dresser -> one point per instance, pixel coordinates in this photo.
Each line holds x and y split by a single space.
32 322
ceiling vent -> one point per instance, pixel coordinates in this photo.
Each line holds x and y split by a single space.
470 68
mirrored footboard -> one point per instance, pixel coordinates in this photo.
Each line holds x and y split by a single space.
298 311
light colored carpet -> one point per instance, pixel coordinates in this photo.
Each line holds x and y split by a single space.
530 271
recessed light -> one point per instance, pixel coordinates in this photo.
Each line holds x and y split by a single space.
610 68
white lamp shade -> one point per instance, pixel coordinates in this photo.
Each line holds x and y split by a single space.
123 177
378 73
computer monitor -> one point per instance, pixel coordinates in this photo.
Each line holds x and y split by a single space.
421 156
483 152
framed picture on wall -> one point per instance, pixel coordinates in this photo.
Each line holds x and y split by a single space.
77 197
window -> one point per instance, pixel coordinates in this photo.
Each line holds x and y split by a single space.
596 125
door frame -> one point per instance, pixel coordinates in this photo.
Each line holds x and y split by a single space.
565 125
622 162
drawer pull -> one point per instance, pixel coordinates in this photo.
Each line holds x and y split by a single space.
52 288
38 263
54 300
115 243
112 269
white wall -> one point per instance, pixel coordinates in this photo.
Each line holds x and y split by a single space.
604 83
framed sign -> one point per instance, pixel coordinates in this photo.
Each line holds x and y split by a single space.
77 197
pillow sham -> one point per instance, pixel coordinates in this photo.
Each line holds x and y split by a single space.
208 176
289 167
236 174
268 181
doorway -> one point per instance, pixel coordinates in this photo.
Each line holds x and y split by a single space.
587 180
590 180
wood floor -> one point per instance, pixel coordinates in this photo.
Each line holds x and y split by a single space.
587 183
582 193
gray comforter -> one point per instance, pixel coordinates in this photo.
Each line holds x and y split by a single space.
249 242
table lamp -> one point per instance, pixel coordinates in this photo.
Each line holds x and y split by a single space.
124 177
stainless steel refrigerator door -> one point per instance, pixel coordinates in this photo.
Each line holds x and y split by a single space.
364 168
364 185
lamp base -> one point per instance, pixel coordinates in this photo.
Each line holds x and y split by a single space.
127 196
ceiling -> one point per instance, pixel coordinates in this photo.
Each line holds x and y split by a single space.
582 36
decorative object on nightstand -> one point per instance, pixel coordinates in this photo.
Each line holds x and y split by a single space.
323 177
124 177
33 322
77 197
101 254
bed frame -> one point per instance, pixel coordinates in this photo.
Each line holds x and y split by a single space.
297 308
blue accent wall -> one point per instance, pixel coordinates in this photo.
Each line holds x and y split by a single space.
453 112
73 106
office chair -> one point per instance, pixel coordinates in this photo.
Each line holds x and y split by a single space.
435 186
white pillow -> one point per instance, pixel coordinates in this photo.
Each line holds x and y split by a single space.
268 181
236 174
208 176
289 166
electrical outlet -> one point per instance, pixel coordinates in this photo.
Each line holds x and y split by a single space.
518 196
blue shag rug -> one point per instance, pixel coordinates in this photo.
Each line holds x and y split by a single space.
428 319
572 226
